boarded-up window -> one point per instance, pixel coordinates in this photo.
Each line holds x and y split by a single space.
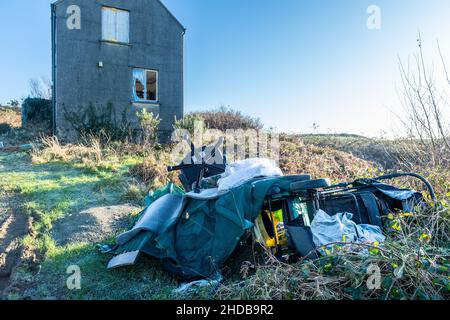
115 25
145 85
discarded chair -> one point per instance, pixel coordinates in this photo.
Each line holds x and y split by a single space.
193 234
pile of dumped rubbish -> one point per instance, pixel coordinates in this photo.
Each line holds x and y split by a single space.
194 230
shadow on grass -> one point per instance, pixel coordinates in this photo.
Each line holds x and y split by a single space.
50 192
145 281
59 188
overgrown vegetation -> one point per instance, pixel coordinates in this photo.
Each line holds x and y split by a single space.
149 126
37 111
55 181
53 188
413 264
222 119
426 103
10 116
12 133
296 156
88 120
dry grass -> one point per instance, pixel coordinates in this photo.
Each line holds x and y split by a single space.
413 263
11 132
53 150
11 116
153 170
296 157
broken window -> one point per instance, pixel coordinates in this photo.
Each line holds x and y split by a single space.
140 91
115 25
145 85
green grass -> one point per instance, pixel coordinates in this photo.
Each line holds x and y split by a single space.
145 281
53 190
50 191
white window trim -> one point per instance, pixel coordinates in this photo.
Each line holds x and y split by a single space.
138 100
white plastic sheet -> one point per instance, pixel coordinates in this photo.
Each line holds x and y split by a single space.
242 171
328 229
194 286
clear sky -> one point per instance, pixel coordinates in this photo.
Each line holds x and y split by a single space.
290 62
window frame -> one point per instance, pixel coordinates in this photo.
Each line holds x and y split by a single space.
134 94
115 40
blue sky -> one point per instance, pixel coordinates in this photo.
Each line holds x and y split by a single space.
290 62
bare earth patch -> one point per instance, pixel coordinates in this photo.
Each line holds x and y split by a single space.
14 225
92 225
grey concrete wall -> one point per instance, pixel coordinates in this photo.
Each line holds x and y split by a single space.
156 42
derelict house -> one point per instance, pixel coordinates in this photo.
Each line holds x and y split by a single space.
113 58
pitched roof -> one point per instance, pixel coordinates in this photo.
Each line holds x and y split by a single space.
159 1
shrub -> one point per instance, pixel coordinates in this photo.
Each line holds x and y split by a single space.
188 123
219 121
425 104
14 103
149 124
104 123
36 110
153 170
4 128
226 118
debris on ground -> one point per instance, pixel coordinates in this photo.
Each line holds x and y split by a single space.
340 227
189 287
194 233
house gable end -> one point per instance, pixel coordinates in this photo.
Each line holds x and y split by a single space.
58 2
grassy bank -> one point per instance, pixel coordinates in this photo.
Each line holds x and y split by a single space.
73 195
